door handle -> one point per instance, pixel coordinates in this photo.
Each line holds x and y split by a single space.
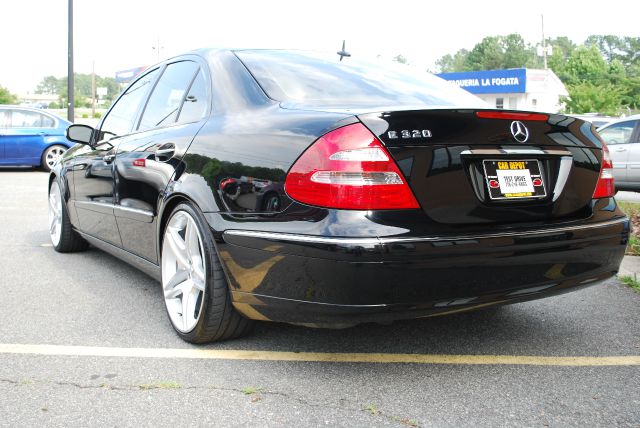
108 158
165 152
621 149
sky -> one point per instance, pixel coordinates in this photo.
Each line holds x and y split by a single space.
121 34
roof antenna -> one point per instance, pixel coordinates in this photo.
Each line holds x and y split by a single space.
342 52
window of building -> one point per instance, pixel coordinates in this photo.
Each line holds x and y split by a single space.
499 102
513 103
534 102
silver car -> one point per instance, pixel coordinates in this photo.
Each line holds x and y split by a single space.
623 138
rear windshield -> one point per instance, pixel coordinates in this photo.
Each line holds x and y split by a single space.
322 80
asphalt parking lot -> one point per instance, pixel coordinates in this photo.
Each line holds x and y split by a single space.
84 340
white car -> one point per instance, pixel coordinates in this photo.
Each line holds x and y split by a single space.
623 138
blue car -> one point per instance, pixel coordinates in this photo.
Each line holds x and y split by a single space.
31 137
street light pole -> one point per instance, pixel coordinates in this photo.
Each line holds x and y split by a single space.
70 89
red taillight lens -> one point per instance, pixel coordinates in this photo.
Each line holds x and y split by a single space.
491 114
605 187
348 168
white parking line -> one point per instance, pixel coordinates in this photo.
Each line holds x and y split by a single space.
209 354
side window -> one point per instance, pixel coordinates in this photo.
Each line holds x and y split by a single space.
5 118
195 104
165 101
618 133
30 119
120 119
47 122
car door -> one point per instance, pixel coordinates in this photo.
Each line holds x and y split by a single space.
618 138
93 169
147 159
633 162
24 138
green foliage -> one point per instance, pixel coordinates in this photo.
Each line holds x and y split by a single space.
7 97
401 59
492 53
585 96
631 281
82 88
450 64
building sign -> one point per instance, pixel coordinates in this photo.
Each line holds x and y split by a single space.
490 81
126 76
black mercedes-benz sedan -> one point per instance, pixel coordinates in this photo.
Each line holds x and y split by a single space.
327 191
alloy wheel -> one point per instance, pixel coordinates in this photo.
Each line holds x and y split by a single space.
183 271
53 155
55 213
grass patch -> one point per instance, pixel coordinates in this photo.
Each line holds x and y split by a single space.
250 390
631 281
632 210
629 208
161 385
371 409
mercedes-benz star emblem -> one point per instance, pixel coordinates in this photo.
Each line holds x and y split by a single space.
519 131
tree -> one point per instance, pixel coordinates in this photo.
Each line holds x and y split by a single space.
450 64
49 85
401 59
7 97
587 97
495 52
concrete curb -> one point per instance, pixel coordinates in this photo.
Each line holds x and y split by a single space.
630 266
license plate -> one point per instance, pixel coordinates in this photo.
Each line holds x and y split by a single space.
514 179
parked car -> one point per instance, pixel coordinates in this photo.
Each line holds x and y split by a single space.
596 119
398 195
623 137
31 137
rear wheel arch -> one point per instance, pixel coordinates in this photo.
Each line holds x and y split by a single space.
165 212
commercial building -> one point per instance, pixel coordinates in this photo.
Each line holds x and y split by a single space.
514 89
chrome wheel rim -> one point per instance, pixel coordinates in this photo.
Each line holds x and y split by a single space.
183 271
55 213
53 155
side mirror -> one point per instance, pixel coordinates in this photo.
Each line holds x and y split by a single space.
80 134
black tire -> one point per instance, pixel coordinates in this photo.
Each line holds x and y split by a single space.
43 159
218 319
70 241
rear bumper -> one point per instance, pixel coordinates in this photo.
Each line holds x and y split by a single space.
332 281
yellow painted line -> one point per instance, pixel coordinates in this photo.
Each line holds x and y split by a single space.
325 357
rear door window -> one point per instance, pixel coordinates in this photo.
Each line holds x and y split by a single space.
168 95
195 103
30 119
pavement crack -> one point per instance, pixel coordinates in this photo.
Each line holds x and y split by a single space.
255 396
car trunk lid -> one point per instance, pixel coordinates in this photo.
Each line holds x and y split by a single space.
489 166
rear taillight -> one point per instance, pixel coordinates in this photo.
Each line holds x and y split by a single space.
605 187
348 168
492 114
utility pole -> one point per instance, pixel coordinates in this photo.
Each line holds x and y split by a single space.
93 89
544 45
70 89
157 48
